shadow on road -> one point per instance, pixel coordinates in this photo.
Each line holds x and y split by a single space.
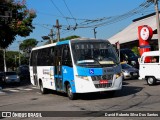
14 85
125 91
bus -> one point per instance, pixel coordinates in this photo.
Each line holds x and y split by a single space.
76 66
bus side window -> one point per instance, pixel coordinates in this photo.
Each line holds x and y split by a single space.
52 59
66 57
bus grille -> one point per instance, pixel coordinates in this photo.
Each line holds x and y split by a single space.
102 77
96 80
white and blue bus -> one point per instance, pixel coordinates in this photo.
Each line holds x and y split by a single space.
76 66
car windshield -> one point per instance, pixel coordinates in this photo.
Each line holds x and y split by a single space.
126 66
1 73
11 73
94 54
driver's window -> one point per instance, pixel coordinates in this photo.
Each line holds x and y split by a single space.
66 57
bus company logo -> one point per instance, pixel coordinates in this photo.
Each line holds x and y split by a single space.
91 71
46 71
64 71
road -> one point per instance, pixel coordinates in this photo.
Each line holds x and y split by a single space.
136 95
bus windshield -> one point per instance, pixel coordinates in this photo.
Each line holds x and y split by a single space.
94 54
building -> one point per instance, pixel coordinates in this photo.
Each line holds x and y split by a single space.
128 38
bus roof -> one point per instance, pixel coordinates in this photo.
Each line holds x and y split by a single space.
67 42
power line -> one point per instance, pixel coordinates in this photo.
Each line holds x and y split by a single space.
69 10
92 23
59 10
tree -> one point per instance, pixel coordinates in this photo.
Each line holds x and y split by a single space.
26 47
135 50
16 20
28 44
62 39
70 37
12 59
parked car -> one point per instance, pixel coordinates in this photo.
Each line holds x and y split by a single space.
129 72
129 56
10 77
23 72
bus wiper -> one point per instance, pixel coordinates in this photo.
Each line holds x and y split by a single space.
97 61
113 60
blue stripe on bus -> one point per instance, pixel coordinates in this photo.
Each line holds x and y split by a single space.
68 75
63 42
89 71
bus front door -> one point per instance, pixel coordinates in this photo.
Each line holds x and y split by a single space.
35 68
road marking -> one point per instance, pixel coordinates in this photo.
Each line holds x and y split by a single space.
2 93
14 90
27 89
34 87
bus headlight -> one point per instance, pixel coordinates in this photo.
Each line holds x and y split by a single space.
82 77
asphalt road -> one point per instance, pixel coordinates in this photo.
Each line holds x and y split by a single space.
135 96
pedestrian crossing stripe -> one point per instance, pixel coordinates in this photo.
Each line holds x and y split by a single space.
14 90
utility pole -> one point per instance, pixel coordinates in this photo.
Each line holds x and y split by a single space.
15 62
95 32
4 58
157 21
19 53
58 30
51 35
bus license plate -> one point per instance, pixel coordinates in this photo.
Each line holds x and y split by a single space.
103 81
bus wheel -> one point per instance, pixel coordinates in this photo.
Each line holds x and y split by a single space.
42 90
151 80
71 95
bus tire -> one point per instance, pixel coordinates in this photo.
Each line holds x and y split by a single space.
151 80
42 89
70 94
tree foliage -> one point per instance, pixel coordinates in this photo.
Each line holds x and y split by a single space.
28 44
12 59
135 50
62 39
16 20
70 37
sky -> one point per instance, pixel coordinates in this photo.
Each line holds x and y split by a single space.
48 11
